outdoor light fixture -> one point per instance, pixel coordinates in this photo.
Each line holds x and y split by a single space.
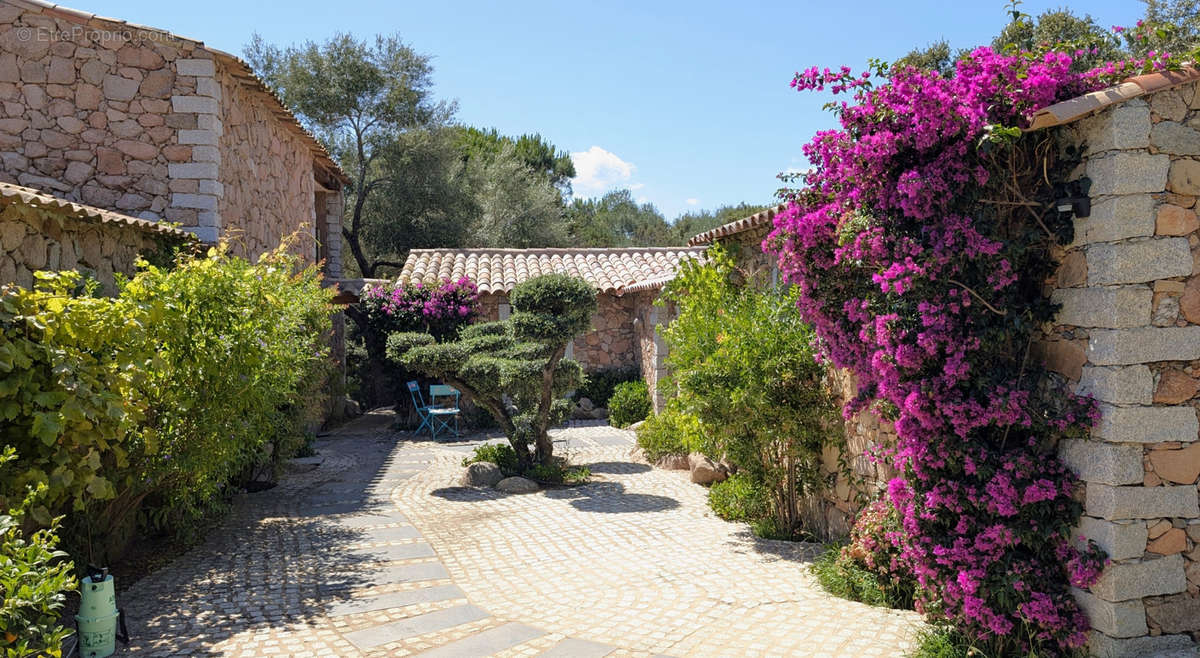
1072 197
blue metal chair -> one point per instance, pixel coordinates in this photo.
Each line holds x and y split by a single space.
440 414
418 400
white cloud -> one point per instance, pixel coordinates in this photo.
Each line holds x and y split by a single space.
636 186
642 199
598 170
693 202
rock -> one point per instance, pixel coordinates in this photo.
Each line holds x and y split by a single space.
580 414
1185 177
304 464
1190 302
1073 272
586 404
599 413
1177 466
673 462
117 88
1177 615
1171 542
516 485
481 474
704 470
1173 220
352 408
1175 386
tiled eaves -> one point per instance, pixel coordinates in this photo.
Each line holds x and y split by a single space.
10 193
608 270
757 220
238 69
1081 106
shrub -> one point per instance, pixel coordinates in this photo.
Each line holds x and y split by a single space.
500 454
558 472
630 402
240 350
598 385
745 367
671 432
944 641
34 580
847 579
515 368
161 397
738 498
870 568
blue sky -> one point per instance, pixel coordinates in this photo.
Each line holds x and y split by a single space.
687 103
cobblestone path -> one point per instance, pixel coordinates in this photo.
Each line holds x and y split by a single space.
378 552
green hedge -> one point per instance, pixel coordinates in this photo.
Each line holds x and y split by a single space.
598 385
161 398
630 403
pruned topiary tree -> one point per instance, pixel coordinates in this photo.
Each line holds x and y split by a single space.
514 368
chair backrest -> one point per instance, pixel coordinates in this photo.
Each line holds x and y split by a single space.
414 391
442 391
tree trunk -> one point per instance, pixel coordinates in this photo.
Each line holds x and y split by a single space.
543 446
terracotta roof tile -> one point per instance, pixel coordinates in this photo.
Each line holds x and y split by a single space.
757 220
238 68
28 196
615 271
1076 108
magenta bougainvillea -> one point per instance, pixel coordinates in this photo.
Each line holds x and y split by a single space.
439 310
922 274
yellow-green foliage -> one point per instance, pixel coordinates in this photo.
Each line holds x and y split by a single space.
34 580
745 367
161 394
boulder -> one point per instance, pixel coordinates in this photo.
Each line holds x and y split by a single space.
579 414
705 470
586 404
599 413
636 426
481 474
516 485
673 462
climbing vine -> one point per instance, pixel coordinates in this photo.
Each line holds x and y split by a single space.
920 240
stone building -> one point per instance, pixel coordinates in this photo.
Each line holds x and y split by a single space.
1128 334
162 128
627 282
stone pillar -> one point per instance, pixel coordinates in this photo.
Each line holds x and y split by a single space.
1122 339
205 157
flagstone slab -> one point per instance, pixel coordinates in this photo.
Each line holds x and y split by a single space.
369 638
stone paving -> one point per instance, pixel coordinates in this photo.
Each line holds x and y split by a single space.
379 552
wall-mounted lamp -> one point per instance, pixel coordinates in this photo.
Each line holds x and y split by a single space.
1072 197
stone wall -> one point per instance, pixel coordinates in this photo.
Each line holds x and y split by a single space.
610 342
36 239
265 172
755 265
92 116
1128 334
859 473
651 352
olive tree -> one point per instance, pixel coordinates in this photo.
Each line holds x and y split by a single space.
514 368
